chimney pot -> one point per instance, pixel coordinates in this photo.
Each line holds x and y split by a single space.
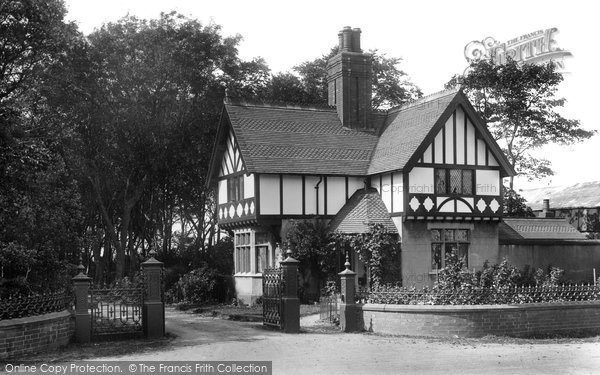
546 209
347 39
356 40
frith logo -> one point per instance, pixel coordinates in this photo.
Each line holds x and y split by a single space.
535 47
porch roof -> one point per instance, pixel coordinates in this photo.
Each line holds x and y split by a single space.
363 208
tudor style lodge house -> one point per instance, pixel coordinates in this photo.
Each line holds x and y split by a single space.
428 170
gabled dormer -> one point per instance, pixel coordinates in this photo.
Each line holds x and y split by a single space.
235 185
451 166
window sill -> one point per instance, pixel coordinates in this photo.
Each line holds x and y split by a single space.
247 274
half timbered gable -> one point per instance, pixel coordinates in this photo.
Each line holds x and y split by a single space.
232 159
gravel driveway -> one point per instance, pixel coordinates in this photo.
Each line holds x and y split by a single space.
321 350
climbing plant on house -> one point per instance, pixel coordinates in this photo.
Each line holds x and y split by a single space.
378 250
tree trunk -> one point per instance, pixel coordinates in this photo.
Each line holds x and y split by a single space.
98 262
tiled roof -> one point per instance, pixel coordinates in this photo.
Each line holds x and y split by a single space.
293 139
363 208
405 130
585 194
538 229
299 140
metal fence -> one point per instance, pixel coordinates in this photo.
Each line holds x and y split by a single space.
481 295
328 308
32 305
273 285
116 311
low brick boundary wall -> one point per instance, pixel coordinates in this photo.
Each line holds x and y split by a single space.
35 333
481 320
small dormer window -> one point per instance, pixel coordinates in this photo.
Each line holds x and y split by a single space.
454 181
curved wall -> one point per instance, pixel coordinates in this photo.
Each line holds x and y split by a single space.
35 333
481 320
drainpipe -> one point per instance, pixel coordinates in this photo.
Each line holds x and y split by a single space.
317 190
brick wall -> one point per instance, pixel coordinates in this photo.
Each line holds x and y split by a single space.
35 333
577 258
481 320
416 248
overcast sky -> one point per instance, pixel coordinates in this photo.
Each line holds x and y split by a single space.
429 35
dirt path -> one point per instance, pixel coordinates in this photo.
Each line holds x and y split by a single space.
323 351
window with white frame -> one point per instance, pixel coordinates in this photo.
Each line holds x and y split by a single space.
243 249
265 254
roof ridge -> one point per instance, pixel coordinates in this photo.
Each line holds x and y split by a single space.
534 218
278 104
425 99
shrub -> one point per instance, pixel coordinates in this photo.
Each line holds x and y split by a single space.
201 285
493 284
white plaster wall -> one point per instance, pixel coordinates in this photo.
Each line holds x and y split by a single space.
470 143
398 192
355 183
449 141
222 191
269 194
488 182
421 180
460 136
386 191
249 186
336 194
292 195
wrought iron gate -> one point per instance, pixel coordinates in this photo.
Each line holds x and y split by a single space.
272 286
116 312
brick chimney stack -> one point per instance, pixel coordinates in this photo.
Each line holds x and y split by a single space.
546 209
349 80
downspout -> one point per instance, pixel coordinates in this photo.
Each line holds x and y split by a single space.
317 192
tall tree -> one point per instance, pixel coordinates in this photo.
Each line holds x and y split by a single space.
143 98
39 201
519 104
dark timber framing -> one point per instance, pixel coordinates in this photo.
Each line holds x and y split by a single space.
280 194
325 195
346 187
303 195
465 138
392 191
455 161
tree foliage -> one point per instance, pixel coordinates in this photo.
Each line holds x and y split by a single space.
518 102
378 250
308 83
142 99
515 205
309 241
105 140
39 199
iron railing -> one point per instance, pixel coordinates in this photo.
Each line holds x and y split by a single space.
116 311
273 285
482 296
328 308
38 304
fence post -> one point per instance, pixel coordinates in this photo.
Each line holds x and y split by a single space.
291 304
153 312
350 313
83 320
